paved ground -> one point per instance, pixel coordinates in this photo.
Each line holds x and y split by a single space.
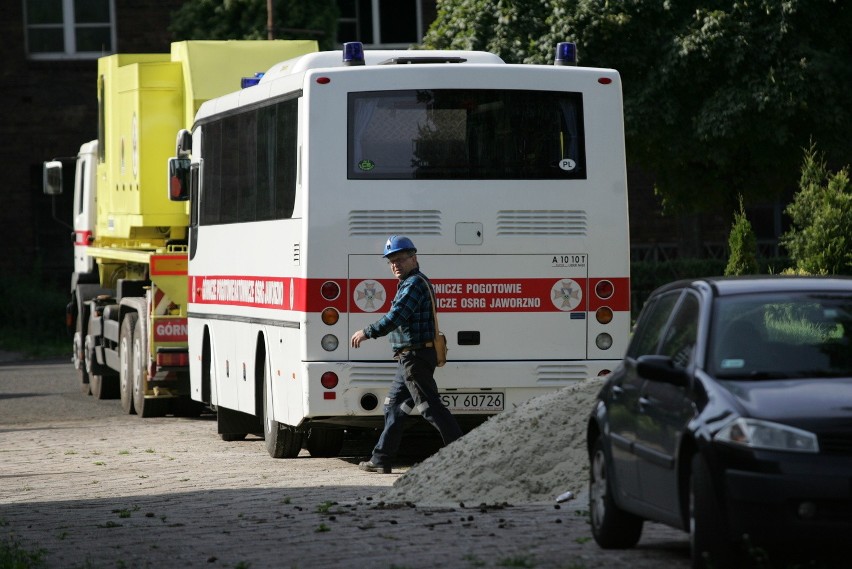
94 488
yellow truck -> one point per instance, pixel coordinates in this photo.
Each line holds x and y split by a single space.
127 311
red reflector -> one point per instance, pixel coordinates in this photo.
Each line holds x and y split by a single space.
172 359
323 80
329 380
329 395
604 80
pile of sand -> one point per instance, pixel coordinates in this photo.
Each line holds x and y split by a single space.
532 453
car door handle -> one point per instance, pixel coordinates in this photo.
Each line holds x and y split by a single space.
617 391
644 402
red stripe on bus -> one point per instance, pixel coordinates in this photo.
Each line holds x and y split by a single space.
375 295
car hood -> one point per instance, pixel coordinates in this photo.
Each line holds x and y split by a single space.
801 402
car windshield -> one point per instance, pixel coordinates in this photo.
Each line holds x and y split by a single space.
790 335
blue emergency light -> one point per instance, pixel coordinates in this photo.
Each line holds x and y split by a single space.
353 53
251 81
566 53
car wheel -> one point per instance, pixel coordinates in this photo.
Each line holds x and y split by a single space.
612 527
708 536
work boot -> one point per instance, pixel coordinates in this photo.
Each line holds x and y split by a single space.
371 466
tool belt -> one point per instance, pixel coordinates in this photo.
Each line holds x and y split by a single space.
404 349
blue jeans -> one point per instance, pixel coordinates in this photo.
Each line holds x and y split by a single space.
413 387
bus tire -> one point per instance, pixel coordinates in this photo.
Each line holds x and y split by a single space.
125 356
325 443
104 386
282 441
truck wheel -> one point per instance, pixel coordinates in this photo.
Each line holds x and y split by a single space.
325 443
125 354
144 407
78 357
282 441
104 386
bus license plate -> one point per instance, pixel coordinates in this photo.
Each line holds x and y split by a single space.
470 402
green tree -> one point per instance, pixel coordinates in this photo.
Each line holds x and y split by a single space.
820 239
743 245
718 96
247 19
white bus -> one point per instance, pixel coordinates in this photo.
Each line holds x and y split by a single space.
511 181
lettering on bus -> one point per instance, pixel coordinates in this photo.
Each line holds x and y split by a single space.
262 292
498 295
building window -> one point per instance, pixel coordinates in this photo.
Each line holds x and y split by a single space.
69 29
381 23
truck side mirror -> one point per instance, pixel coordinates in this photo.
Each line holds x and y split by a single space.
179 179
52 178
183 144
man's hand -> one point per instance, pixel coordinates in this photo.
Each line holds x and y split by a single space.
357 338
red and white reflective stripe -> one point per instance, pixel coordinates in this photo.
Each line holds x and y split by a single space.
375 295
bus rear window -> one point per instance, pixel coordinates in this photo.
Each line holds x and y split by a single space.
454 134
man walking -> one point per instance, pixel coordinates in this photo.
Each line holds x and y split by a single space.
411 328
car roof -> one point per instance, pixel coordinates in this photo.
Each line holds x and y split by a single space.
723 286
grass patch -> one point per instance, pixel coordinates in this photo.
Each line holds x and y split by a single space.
15 556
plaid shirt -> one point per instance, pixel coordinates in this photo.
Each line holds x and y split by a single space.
409 321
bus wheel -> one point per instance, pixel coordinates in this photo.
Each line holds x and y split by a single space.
104 386
325 443
144 407
282 441
125 355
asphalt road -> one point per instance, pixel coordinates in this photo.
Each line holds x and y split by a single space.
90 488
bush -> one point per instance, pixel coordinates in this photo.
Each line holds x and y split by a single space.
743 246
820 239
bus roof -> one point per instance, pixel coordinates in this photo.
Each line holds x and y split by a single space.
326 59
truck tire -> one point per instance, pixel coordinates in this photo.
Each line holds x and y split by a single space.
78 345
144 407
125 356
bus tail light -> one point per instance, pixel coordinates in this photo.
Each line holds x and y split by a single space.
329 380
330 316
330 290
604 289
330 342
603 341
604 315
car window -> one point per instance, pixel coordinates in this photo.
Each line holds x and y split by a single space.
682 332
769 336
652 321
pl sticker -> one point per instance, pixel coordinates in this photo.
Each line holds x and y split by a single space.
566 294
567 164
369 296
366 165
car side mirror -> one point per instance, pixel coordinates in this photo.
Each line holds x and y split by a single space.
661 368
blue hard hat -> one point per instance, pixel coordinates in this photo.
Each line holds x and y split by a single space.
399 243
